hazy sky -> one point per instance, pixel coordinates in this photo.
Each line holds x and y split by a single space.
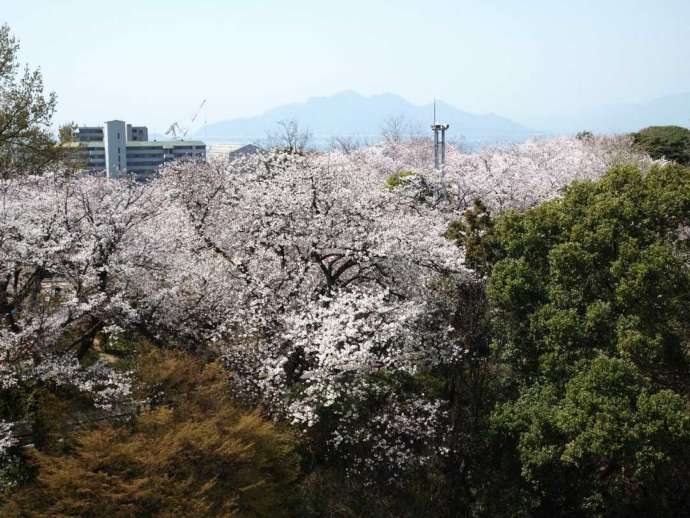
153 61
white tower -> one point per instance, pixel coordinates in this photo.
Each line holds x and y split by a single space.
439 143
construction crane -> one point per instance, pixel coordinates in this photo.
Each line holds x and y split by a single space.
178 131
198 111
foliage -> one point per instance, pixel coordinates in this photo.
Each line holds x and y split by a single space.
192 452
617 445
590 296
66 132
600 270
340 306
539 370
330 492
469 233
26 145
669 142
397 179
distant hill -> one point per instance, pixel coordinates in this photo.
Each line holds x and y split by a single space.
623 118
351 114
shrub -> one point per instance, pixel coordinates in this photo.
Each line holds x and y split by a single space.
192 452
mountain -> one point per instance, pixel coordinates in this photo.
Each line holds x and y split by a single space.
351 114
623 118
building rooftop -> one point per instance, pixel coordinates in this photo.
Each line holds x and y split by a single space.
164 143
140 143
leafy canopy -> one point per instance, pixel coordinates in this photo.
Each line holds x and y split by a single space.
670 142
26 143
590 302
601 271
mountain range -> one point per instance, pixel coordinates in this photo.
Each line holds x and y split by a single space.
351 114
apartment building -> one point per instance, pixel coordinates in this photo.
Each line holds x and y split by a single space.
120 148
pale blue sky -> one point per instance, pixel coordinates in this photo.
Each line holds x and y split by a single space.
153 61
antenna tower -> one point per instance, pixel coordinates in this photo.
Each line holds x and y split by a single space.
439 142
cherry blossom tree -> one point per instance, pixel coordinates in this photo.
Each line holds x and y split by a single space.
67 247
326 273
515 176
322 280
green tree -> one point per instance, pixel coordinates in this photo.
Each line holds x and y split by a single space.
602 270
670 142
66 132
26 143
193 452
584 135
590 313
607 444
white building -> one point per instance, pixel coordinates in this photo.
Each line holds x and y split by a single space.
223 152
120 148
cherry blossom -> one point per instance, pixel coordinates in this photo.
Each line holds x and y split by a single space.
315 277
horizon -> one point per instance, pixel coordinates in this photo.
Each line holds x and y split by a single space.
526 63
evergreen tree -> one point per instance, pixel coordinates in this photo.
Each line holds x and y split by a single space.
590 302
669 142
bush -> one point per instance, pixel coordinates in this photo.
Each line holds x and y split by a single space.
192 452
